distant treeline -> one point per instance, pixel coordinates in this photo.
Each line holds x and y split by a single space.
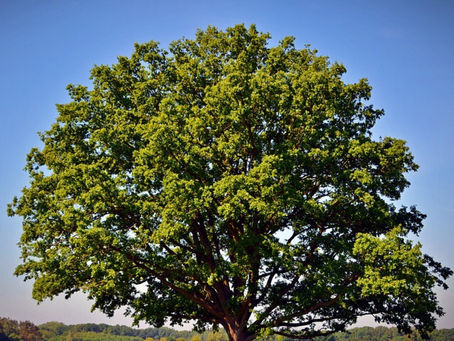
13 330
56 331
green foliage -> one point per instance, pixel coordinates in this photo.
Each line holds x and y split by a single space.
15 331
215 336
386 334
228 182
55 331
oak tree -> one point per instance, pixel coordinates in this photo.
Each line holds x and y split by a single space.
228 182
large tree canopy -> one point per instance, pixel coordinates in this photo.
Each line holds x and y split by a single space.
231 183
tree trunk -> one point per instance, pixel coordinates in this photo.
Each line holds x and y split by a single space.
236 334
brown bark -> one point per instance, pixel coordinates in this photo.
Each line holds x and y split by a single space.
237 333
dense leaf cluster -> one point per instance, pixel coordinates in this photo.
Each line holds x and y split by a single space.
11 330
231 183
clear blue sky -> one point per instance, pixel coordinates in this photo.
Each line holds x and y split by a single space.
404 48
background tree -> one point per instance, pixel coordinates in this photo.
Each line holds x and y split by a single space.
238 183
9 329
29 332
